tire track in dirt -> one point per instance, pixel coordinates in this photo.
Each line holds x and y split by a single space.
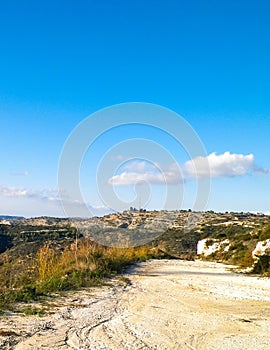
170 304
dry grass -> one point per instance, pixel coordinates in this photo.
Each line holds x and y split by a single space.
81 264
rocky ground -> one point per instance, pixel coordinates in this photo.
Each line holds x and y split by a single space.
169 304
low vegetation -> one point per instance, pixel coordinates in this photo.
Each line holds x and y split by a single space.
44 256
243 241
52 269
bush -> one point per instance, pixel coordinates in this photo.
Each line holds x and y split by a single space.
81 264
265 234
247 260
262 265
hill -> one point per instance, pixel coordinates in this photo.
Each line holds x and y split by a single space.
10 217
39 256
227 237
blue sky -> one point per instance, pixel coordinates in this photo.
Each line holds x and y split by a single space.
61 61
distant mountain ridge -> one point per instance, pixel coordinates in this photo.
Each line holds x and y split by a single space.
10 217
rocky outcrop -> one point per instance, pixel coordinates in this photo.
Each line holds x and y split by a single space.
261 256
262 248
206 247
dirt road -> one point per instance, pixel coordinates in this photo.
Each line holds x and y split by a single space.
170 304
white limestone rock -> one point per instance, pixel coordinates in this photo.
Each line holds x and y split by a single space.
262 248
209 246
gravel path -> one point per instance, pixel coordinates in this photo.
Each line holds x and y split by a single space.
170 304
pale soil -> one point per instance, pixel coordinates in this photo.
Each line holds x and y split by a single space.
170 304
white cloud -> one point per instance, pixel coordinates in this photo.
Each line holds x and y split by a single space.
118 157
23 173
223 165
141 171
126 178
139 166
20 201
213 165
9 191
12 192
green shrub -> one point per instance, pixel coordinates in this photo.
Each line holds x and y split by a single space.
247 259
262 265
265 233
31 310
